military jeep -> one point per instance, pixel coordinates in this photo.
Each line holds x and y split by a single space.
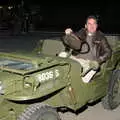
36 85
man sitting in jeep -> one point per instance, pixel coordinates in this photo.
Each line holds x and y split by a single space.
92 47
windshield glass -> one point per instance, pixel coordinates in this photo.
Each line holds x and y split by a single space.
16 64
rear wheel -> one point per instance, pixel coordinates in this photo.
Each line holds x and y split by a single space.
39 112
112 99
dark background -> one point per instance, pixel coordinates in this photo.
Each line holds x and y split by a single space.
58 15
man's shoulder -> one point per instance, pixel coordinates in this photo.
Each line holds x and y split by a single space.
82 30
81 33
100 34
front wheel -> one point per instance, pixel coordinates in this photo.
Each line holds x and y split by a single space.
112 99
39 112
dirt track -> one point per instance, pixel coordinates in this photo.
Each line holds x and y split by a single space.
95 112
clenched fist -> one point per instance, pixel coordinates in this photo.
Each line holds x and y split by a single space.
68 31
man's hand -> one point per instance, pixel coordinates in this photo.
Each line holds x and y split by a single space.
63 54
68 31
94 64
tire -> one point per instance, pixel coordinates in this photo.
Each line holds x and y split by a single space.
112 99
39 112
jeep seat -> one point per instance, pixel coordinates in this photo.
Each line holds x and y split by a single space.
52 47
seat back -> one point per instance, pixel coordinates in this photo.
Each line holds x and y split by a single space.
114 42
52 47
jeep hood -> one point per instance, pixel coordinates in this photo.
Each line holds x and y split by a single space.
28 76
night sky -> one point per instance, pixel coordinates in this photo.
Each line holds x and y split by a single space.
74 14
59 15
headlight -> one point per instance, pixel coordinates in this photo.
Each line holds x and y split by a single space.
1 88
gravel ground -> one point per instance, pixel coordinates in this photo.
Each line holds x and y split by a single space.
95 112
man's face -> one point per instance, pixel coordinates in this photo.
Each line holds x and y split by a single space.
91 25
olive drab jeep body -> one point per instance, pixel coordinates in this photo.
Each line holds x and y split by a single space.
33 86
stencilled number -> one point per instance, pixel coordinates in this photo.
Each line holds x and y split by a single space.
48 75
57 73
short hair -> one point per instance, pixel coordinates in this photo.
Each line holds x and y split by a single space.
92 17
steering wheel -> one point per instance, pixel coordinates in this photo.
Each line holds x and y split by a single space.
73 42
85 51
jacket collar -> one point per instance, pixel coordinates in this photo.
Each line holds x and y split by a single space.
83 35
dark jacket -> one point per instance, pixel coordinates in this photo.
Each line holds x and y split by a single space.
103 50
